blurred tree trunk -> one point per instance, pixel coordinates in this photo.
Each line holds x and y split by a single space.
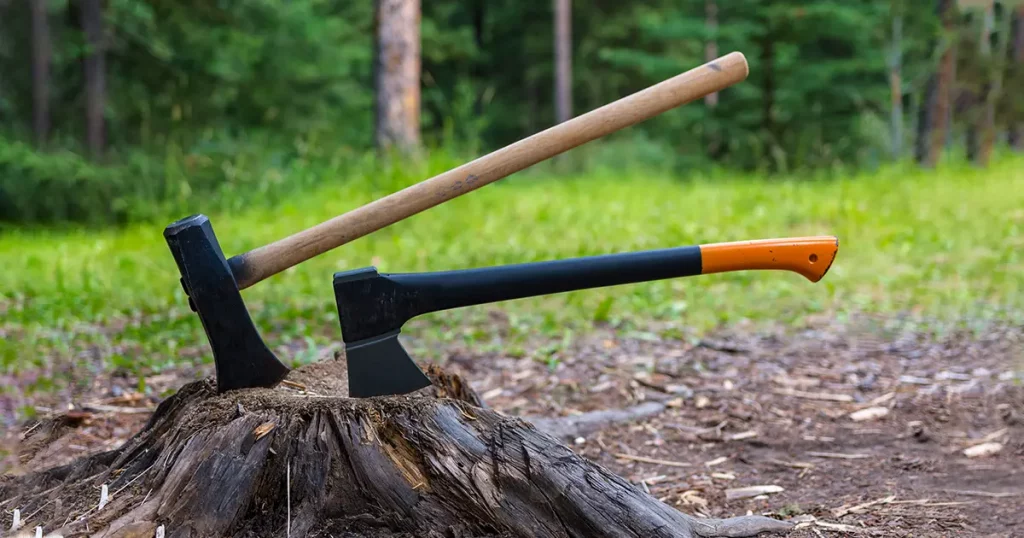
935 113
397 75
40 71
479 22
895 80
994 84
769 126
711 46
925 119
973 100
712 134
95 75
1016 130
563 60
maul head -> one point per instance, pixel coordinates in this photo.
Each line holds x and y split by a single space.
241 358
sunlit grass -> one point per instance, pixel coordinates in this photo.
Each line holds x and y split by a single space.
940 245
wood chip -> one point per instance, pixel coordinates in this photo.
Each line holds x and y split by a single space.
984 449
823 396
691 497
716 461
882 399
751 491
263 429
750 434
871 413
838 456
723 476
804 382
652 460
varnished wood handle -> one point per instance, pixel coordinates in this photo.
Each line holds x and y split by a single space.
263 262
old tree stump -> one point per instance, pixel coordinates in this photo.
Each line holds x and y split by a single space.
312 463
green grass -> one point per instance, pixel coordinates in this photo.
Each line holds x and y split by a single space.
942 245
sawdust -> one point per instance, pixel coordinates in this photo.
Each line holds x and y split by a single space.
329 377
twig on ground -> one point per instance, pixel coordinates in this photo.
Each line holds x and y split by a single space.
294 385
824 396
792 464
990 494
652 460
751 491
104 408
838 456
842 511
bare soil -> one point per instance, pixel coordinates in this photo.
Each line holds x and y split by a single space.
853 429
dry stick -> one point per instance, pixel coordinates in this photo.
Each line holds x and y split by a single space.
837 456
260 263
824 396
991 494
652 460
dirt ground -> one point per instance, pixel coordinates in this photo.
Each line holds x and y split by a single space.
846 429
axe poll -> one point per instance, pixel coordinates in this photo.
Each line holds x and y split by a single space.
214 282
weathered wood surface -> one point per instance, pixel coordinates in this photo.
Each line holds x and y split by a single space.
287 462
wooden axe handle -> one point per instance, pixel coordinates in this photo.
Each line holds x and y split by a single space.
263 262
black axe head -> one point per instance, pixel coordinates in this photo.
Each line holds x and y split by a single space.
371 311
241 358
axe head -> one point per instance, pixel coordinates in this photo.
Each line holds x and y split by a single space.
371 311
241 358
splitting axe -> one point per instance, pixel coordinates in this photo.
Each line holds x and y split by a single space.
372 307
213 282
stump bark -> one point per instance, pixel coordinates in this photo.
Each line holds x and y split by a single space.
314 463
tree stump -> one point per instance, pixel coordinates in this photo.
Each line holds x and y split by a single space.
314 463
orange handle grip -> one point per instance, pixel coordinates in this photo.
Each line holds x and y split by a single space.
809 256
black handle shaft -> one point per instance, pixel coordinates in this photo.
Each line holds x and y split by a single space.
452 289
372 304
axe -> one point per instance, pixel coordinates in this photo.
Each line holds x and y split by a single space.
213 282
372 307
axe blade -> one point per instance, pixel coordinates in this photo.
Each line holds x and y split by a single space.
381 367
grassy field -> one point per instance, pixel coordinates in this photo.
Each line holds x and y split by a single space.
940 245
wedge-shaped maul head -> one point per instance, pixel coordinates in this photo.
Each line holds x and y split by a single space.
371 310
241 358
